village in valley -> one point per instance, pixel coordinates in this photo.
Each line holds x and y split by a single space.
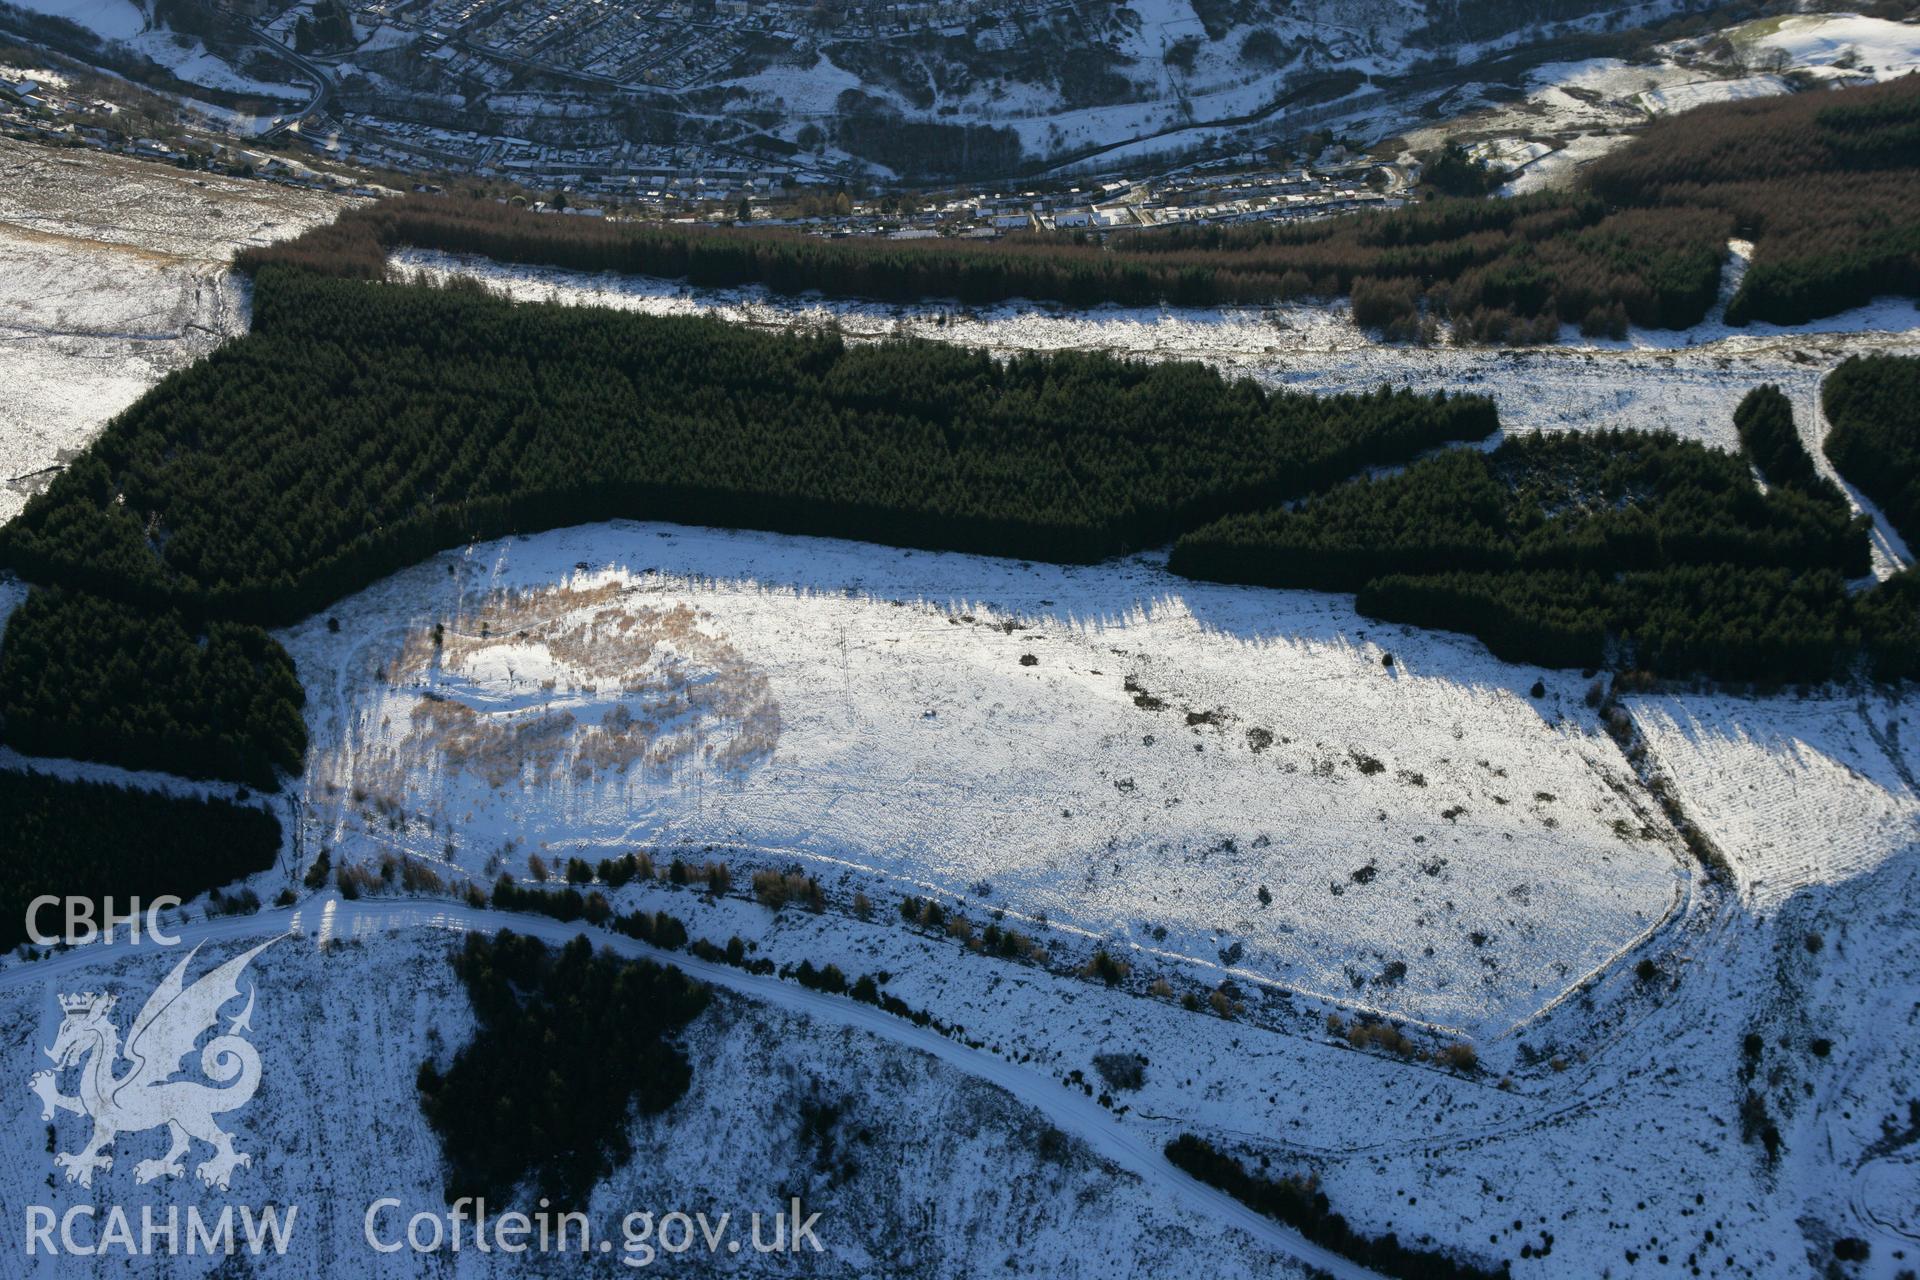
1231 189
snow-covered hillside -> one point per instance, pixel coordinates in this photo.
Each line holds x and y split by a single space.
1328 823
342 1030
1804 792
1224 774
1844 45
1151 76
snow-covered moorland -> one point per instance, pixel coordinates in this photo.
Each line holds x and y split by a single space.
1607 1133
1802 791
1234 777
1213 782
1728 1089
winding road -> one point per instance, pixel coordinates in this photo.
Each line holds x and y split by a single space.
329 916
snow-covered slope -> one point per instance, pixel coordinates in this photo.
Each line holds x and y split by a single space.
1840 43
1803 792
1210 772
342 1029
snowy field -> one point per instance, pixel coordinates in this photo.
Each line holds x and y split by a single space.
1700 93
1688 382
1814 803
1222 775
1801 792
191 60
110 19
86 330
187 57
1840 42
1609 1122
1575 111
1617 1134
113 273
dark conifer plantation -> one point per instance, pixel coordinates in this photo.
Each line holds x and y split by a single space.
1873 403
1586 549
1823 183
1767 432
88 840
97 679
1890 626
571 1045
361 427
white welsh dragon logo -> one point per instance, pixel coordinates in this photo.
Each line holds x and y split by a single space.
147 1096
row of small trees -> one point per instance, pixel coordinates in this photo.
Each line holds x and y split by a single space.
1299 1202
1559 255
